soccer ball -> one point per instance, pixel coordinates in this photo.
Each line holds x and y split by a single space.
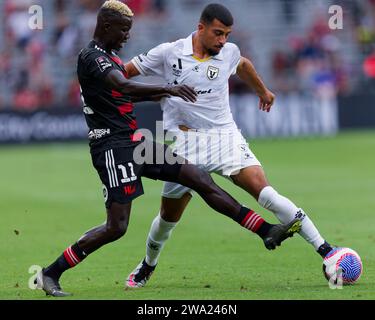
342 265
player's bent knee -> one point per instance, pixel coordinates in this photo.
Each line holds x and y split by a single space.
202 181
117 222
196 179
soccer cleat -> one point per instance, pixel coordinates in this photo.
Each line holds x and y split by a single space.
49 285
279 232
140 275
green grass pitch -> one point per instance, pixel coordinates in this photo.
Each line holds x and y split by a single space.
51 194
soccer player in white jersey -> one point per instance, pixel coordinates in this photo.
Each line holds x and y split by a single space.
205 61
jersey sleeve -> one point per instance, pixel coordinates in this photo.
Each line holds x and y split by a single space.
97 64
235 58
151 63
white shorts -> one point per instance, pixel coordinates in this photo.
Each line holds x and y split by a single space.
224 152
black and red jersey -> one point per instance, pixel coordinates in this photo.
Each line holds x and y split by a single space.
109 114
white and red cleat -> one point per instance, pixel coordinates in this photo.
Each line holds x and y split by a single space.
140 275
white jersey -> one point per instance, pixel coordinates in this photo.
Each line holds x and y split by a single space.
175 63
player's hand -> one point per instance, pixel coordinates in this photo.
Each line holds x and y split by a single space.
183 91
266 100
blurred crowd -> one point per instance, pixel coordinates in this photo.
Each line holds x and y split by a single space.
315 61
311 62
37 67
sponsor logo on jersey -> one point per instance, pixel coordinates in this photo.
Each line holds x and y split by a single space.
98 133
176 72
212 72
204 91
103 63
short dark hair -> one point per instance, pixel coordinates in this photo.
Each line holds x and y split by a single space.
216 11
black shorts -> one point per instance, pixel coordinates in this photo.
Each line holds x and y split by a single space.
121 173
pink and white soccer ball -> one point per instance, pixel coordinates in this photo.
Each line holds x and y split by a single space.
345 259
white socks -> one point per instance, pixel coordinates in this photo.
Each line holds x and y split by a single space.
159 233
283 208
286 211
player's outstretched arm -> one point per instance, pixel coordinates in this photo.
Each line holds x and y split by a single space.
247 73
131 70
155 98
116 80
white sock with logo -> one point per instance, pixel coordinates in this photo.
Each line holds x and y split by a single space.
285 210
159 232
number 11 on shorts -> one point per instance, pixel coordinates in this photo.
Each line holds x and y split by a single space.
124 171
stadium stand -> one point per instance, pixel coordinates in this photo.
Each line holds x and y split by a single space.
37 68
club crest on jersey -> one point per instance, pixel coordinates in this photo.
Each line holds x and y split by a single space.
212 72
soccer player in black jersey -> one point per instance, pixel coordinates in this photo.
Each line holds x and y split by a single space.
107 96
